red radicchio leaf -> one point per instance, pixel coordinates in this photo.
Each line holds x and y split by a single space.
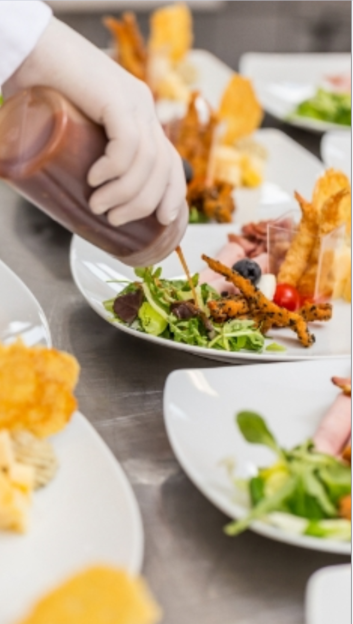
184 310
127 306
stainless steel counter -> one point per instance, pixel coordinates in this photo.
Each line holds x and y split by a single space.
198 575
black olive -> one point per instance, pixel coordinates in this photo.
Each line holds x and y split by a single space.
248 269
188 171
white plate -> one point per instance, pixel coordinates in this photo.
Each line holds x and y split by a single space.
199 410
87 515
282 81
92 269
328 596
20 313
336 150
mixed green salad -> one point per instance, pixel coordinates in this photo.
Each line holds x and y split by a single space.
327 106
166 308
300 492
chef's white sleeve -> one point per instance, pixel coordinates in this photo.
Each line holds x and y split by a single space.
22 22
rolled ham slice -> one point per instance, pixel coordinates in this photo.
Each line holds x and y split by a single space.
335 428
263 262
229 255
222 286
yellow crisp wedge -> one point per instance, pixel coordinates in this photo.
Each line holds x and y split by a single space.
171 31
99 595
239 109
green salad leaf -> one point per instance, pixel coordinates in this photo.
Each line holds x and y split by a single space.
166 308
327 106
302 483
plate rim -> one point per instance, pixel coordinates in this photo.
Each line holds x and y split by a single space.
4 267
137 555
261 528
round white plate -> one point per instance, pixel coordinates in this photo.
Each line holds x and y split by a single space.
20 313
336 150
199 412
87 515
92 269
328 596
282 81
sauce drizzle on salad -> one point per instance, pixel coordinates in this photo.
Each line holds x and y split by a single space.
183 262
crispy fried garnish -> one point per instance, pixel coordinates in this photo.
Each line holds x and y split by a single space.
344 383
194 137
345 507
214 201
329 219
316 312
233 307
239 109
297 257
171 31
130 49
261 308
36 387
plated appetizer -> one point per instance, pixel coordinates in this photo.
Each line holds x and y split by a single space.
216 145
308 489
237 300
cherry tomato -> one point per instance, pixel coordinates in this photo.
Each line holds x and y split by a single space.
286 296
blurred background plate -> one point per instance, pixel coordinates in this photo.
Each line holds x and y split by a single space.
282 81
328 596
21 316
336 150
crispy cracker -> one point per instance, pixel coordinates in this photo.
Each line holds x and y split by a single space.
239 109
98 595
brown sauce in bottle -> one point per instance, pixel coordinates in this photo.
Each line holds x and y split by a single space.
47 147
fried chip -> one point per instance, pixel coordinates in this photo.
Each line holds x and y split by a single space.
171 31
98 595
239 109
330 183
299 252
36 387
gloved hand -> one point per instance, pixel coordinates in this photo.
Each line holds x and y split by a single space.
141 171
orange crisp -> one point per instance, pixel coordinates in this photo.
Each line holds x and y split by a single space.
99 595
36 388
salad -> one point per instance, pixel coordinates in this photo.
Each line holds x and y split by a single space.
304 491
178 310
327 106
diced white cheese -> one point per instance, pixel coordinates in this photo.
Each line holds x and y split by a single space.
267 285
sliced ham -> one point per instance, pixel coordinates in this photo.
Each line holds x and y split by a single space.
247 245
263 262
335 428
222 286
229 255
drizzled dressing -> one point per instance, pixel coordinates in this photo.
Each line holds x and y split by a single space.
183 262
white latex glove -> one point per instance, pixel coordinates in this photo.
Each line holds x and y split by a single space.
141 171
